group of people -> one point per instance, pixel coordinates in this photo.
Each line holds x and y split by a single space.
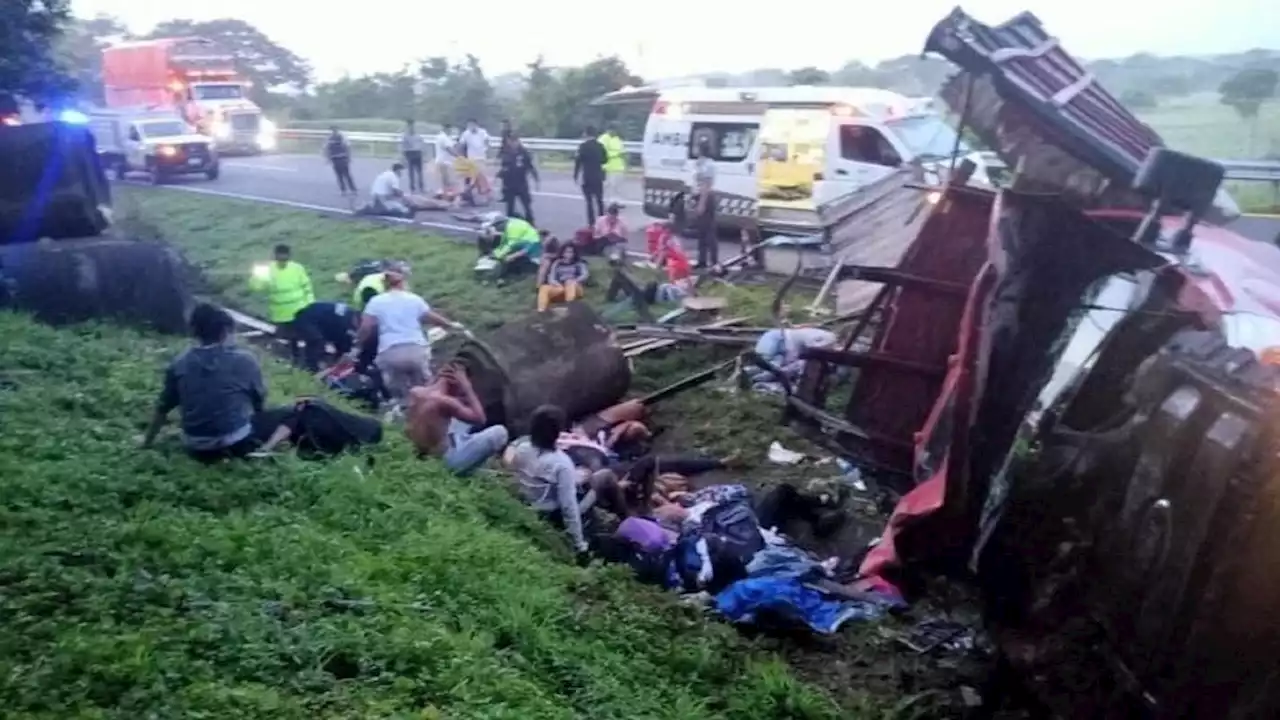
598 167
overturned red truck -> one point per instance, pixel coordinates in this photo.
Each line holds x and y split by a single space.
1064 380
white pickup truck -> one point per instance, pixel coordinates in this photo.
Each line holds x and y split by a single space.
160 144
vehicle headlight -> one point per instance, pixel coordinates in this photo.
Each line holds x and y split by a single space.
221 130
266 127
167 150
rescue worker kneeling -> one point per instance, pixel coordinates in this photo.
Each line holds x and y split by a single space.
288 290
509 247
564 279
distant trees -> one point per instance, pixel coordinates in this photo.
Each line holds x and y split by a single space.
808 76
29 64
1246 91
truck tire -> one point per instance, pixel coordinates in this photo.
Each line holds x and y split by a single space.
213 172
153 170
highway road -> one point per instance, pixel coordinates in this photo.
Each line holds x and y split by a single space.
306 182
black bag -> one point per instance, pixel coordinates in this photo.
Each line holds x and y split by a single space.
323 430
733 538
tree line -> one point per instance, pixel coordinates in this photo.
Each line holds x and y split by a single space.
46 49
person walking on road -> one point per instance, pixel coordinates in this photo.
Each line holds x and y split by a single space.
288 289
446 152
411 147
475 145
338 152
588 172
516 169
615 164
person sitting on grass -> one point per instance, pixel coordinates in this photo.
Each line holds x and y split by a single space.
564 278
549 481
442 419
219 391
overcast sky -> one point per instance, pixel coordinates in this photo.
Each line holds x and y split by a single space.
657 37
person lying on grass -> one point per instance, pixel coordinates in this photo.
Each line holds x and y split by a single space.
219 391
551 484
442 419
564 279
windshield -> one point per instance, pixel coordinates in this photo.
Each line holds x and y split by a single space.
927 137
164 128
217 92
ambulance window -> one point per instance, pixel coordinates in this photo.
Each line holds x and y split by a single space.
729 142
860 143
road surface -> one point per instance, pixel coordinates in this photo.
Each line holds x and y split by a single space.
306 182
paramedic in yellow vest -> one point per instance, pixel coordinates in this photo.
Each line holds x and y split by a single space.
615 164
288 290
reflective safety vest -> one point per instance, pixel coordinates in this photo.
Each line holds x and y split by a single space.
517 235
288 290
377 281
615 153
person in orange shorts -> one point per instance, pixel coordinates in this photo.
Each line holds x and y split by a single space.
564 279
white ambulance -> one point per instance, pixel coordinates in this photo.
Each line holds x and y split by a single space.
794 147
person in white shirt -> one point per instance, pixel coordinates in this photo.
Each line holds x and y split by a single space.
404 353
475 144
446 152
386 197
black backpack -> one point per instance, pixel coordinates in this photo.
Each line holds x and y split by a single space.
733 538
323 430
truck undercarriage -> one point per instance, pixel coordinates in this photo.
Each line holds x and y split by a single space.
1062 382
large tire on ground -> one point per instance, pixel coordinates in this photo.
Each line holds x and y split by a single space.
52 184
136 283
566 356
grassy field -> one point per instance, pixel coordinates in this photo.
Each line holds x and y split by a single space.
140 584
147 586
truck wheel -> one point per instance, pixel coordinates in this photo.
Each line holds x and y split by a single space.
212 173
153 170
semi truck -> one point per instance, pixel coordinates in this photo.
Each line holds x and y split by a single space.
194 78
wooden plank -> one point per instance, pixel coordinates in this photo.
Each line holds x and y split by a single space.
659 344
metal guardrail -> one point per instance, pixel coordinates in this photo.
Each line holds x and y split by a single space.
1238 170
372 138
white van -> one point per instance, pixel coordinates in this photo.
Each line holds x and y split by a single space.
794 147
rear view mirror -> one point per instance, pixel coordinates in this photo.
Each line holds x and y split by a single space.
1176 183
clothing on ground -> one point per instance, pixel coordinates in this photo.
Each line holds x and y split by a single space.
400 315
549 483
470 448
217 389
791 599
288 289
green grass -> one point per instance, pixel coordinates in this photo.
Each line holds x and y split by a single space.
512 631
140 584
1202 125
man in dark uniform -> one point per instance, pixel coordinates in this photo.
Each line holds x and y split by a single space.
322 323
516 169
588 172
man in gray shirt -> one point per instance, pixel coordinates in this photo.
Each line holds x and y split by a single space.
219 391
411 145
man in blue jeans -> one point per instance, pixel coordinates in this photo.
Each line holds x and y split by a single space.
442 418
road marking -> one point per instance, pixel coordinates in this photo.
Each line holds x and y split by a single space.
252 166
1261 216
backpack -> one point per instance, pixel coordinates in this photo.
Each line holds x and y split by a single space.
323 430
733 538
